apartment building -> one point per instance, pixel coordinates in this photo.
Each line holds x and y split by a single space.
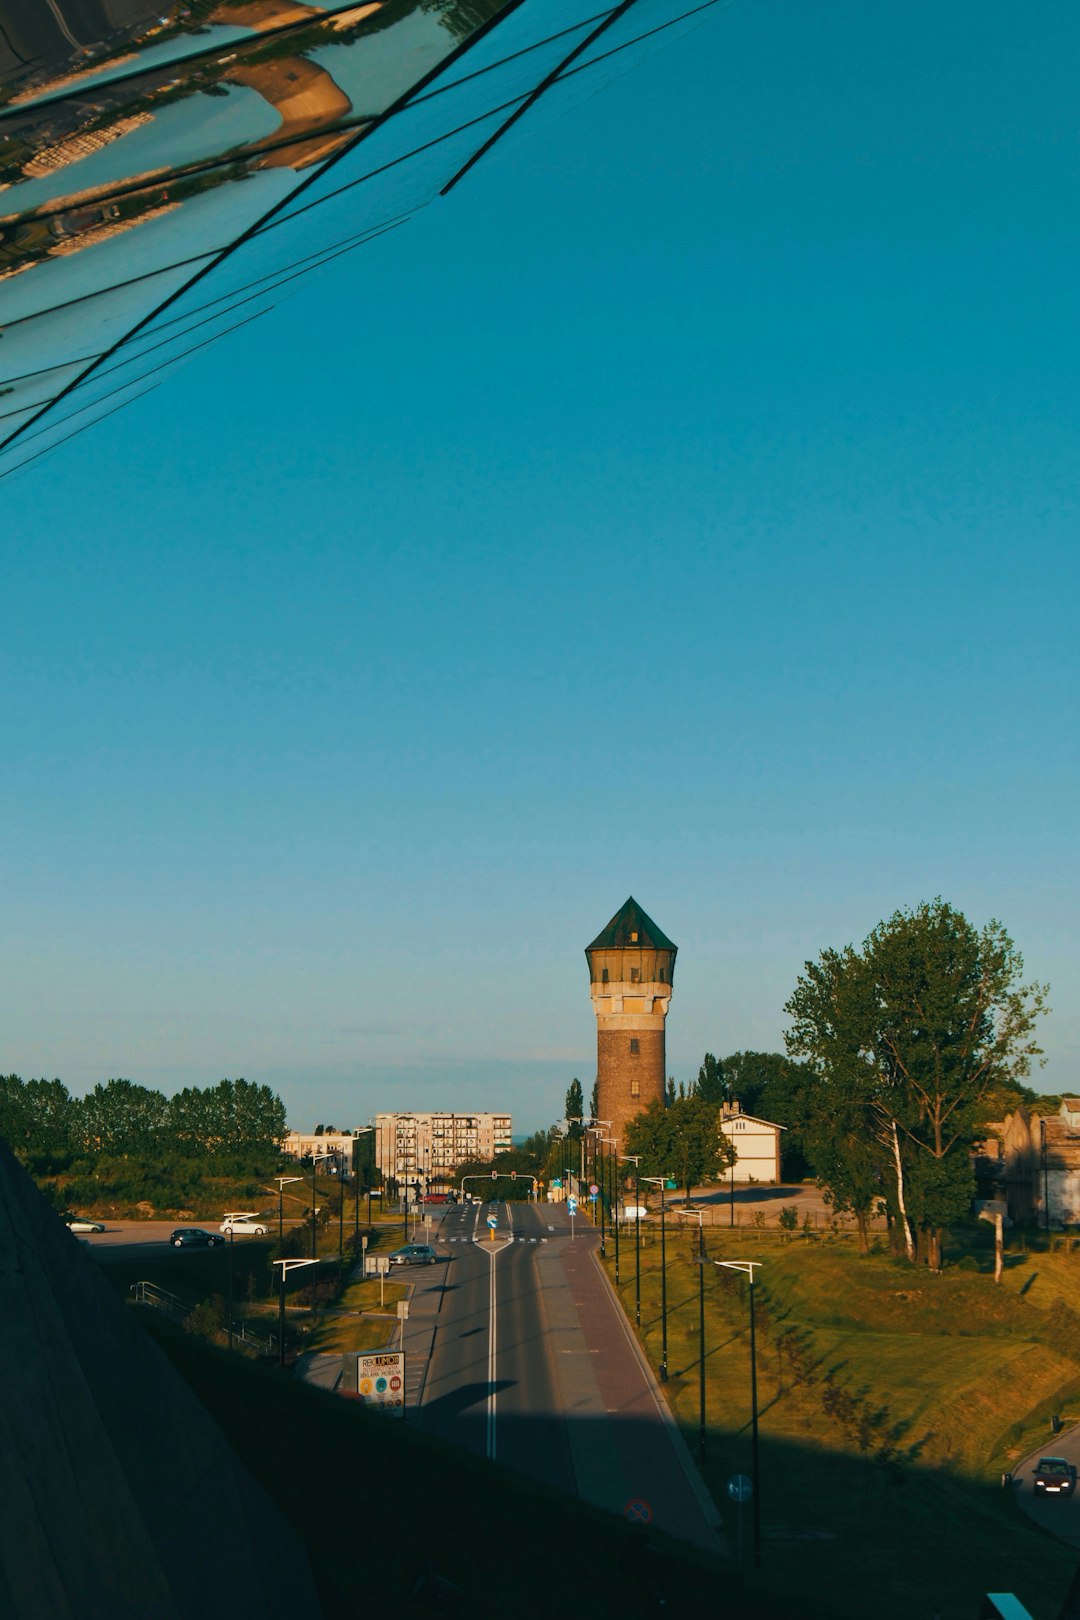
427 1148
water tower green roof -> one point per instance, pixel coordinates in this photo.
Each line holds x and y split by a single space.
628 920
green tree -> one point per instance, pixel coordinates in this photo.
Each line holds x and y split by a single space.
121 1117
669 1092
710 1085
575 1106
594 1100
913 1035
683 1140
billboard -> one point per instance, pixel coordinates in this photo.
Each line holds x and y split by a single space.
380 1380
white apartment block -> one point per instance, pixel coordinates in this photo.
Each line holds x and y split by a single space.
428 1148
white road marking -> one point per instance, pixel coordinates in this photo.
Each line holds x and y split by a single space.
492 1351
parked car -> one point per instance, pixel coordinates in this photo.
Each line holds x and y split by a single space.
194 1237
245 1222
414 1254
1054 1477
82 1223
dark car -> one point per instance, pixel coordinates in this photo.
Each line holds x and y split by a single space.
194 1237
414 1254
1054 1477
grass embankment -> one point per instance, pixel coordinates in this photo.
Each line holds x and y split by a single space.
386 1508
890 1401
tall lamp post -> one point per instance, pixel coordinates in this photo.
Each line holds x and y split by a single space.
662 1183
614 1162
315 1158
699 1216
596 1128
286 1266
748 1267
635 1160
282 1183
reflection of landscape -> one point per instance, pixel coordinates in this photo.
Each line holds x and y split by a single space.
48 142
144 145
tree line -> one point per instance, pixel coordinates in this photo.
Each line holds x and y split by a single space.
43 1122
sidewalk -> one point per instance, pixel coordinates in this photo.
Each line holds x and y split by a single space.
624 1443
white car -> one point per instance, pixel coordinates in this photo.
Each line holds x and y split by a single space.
82 1223
245 1221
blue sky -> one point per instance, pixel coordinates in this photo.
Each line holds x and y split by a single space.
685 507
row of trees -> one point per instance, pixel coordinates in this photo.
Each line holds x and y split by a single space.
41 1120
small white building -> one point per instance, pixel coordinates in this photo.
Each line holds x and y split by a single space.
756 1143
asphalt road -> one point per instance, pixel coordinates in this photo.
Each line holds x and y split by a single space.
490 1385
123 1239
1058 1514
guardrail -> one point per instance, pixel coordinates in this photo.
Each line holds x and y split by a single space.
178 1310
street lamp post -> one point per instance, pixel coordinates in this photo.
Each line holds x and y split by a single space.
635 1160
286 1266
282 1183
230 1289
661 1182
748 1267
315 1157
614 1162
700 1214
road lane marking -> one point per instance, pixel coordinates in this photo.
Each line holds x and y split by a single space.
492 1355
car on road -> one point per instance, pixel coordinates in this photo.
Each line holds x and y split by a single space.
194 1237
414 1254
82 1223
1054 1477
244 1221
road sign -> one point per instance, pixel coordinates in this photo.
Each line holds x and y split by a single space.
670 1184
638 1511
740 1487
492 1221
593 1197
380 1380
571 1205
376 1265
556 1181
403 1310
593 1189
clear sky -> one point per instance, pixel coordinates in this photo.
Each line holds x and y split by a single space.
686 507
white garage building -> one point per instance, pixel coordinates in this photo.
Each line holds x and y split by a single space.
756 1143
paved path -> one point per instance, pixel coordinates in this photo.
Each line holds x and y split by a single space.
1058 1514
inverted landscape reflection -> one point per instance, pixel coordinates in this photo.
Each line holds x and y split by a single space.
256 139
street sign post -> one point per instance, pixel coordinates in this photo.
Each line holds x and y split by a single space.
571 1209
380 1381
492 1222
740 1487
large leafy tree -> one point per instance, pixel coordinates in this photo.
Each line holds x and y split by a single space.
122 1117
575 1107
710 1085
683 1140
915 1034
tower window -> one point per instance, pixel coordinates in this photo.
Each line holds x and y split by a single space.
635 1046
633 939
635 1088
603 976
635 975
661 975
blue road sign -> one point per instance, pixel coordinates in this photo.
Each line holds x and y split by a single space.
492 1222
740 1487
593 1197
556 1181
571 1206
638 1511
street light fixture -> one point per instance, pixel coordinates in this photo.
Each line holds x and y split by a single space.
286 1266
748 1267
315 1158
661 1182
282 1183
596 1128
365 1130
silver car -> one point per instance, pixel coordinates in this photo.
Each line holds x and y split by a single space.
414 1254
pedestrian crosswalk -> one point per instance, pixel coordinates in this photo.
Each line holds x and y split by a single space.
514 1237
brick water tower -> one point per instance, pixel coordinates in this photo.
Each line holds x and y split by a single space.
631 969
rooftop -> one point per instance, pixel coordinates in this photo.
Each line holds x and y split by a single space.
629 928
